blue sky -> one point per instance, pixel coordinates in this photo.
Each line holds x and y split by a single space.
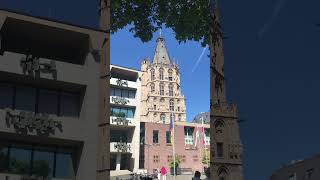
129 51
271 64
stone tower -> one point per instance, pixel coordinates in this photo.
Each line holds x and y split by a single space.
226 147
161 93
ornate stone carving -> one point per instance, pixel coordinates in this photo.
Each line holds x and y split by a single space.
32 66
120 121
25 122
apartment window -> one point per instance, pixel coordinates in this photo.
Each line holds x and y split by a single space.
70 104
170 89
125 93
19 161
171 105
154 107
161 89
3 157
168 137
46 96
152 87
163 118
122 112
6 96
41 160
219 150
155 136
152 74
170 74
188 135
161 74
25 98
156 159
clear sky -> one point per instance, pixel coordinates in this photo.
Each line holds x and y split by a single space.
272 67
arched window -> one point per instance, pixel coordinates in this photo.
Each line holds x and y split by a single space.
179 117
152 74
171 103
161 89
152 87
170 89
218 126
222 174
163 118
161 74
170 74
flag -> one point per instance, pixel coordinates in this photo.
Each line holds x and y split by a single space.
197 137
204 136
171 127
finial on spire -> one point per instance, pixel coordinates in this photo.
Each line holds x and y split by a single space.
160 33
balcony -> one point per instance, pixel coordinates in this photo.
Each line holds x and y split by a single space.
122 101
121 121
123 83
120 147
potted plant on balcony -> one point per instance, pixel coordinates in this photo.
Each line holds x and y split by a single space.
175 165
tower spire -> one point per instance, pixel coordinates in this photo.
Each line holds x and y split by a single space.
161 54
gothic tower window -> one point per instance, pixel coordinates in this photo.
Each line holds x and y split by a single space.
170 74
152 87
161 74
163 118
222 174
161 89
171 103
152 74
170 89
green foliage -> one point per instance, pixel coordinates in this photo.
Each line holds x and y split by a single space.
176 162
189 19
119 114
206 157
41 168
19 167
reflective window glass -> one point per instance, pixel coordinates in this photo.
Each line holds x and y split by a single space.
70 105
64 166
25 98
6 96
19 161
42 164
48 102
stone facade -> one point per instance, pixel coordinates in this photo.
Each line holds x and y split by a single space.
225 133
161 92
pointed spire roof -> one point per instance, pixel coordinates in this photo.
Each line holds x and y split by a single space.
160 53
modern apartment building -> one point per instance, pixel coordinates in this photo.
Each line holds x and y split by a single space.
125 95
307 169
49 99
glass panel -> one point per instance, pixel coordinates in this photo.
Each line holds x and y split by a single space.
113 161
19 161
168 137
130 113
115 111
64 166
111 91
42 165
118 92
124 93
155 137
3 157
45 97
25 98
6 96
124 111
132 94
70 105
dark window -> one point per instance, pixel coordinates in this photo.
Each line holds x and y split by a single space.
19 162
6 96
43 163
113 161
64 166
309 173
70 105
220 149
25 98
155 136
122 112
168 138
48 102
3 157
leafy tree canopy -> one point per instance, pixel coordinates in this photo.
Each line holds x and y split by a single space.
189 19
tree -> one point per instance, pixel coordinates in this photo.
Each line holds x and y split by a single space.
206 157
176 162
189 19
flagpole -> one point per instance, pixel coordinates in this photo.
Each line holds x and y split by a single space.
204 139
173 149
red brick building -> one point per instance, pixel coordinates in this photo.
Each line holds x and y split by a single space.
156 150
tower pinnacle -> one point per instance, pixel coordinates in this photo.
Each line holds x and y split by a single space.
161 54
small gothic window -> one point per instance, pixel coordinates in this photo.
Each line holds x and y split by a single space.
163 118
152 87
152 74
171 103
161 74
170 74
161 89
170 89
